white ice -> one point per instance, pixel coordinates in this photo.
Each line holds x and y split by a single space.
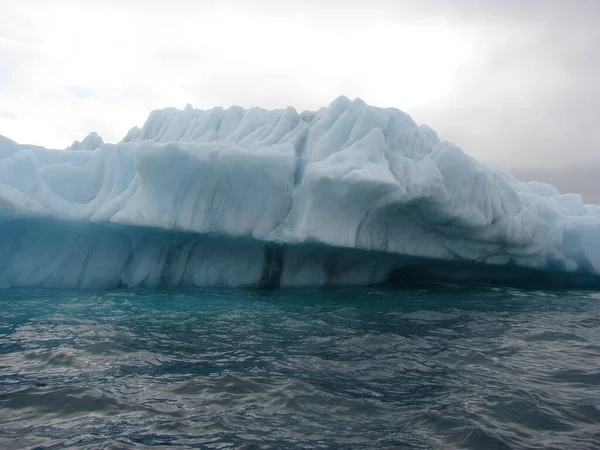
354 192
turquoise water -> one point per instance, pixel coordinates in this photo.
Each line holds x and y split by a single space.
438 367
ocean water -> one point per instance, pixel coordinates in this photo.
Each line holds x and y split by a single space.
438 367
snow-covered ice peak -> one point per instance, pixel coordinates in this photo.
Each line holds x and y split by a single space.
91 142
348 194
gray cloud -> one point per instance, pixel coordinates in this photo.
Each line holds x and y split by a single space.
531 103
537 80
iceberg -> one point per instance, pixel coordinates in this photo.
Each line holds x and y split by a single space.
347 195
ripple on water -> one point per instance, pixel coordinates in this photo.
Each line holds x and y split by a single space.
445 368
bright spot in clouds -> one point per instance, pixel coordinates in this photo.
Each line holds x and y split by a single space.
69 69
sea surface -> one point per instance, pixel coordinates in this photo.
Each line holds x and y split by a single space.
441 367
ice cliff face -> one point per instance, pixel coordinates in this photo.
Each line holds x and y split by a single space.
346 195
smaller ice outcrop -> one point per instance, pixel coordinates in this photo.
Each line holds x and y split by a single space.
131 135
91 142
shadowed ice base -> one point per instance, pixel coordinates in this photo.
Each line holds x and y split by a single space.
49 253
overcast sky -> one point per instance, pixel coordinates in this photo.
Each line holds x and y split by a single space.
514 83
